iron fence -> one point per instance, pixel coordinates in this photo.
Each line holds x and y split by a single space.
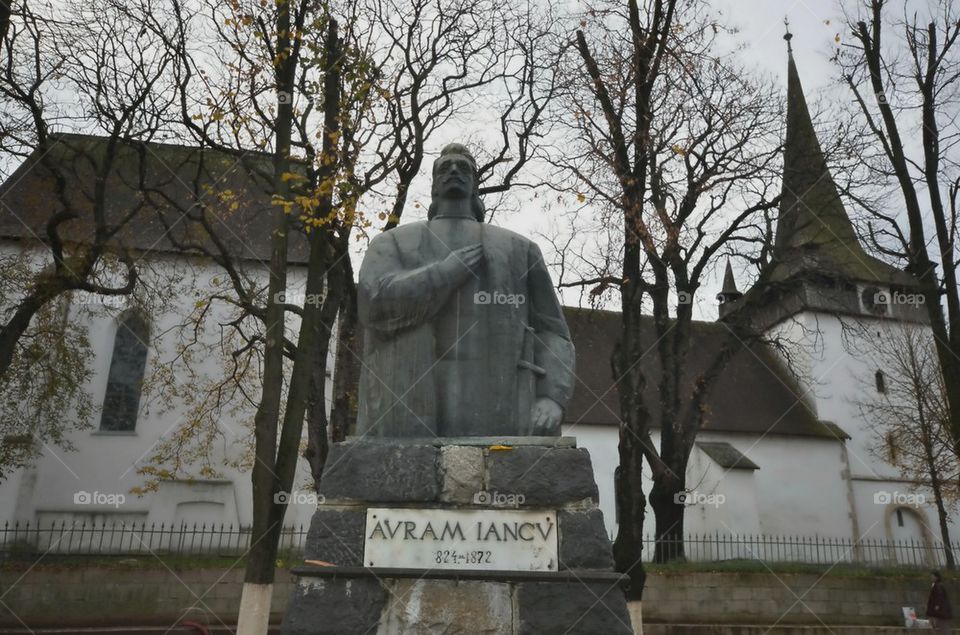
137 539
80 538
819 550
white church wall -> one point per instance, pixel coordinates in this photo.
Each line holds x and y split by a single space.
94 481
721 502
797 343
798 490
800 486
845 379
877 502
843 361
602 442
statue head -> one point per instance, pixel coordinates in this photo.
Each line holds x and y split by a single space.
455 176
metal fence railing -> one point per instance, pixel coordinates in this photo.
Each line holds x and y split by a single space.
821 550
134 538
137 538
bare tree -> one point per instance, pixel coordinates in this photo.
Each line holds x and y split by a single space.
675 146
71 228
907 411
329 109
904 73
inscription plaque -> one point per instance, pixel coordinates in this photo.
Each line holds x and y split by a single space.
497 540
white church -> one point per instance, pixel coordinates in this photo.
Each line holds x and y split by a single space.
785 451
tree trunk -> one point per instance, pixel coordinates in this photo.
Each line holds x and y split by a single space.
271 476
630 382
317 425
668 510
631 507
346 373
318 440
919 263
15 327
944 517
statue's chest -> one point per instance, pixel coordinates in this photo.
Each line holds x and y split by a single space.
446 235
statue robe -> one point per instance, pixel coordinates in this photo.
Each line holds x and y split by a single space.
441 360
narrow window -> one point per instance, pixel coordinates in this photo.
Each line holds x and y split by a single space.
881 381
899 518
122 398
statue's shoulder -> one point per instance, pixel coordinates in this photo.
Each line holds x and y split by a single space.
505 234
507 237
409 229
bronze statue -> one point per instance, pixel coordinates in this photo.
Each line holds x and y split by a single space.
464 334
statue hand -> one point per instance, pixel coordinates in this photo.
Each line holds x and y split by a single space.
463 262
546 416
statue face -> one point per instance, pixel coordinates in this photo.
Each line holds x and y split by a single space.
453 177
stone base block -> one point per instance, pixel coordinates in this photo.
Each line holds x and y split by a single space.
379 602
580 594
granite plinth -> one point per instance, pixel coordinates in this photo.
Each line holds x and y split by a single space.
582 596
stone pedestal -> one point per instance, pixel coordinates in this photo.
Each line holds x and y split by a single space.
581 594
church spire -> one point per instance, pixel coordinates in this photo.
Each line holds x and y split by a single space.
729 292
817 262
811 212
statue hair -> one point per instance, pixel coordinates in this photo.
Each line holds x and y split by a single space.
479 211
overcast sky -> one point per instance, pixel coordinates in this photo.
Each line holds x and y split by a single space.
814 24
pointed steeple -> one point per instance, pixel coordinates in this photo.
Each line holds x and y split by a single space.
817 262
729 292
811 212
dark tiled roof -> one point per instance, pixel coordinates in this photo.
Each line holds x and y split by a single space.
726 456
754 394
237 198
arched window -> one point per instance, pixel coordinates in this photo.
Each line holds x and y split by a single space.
881 381
127 365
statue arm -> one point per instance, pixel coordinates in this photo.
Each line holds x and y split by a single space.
390 298
553 348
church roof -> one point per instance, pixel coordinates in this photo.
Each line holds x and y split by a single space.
755 394
238 201
814 234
